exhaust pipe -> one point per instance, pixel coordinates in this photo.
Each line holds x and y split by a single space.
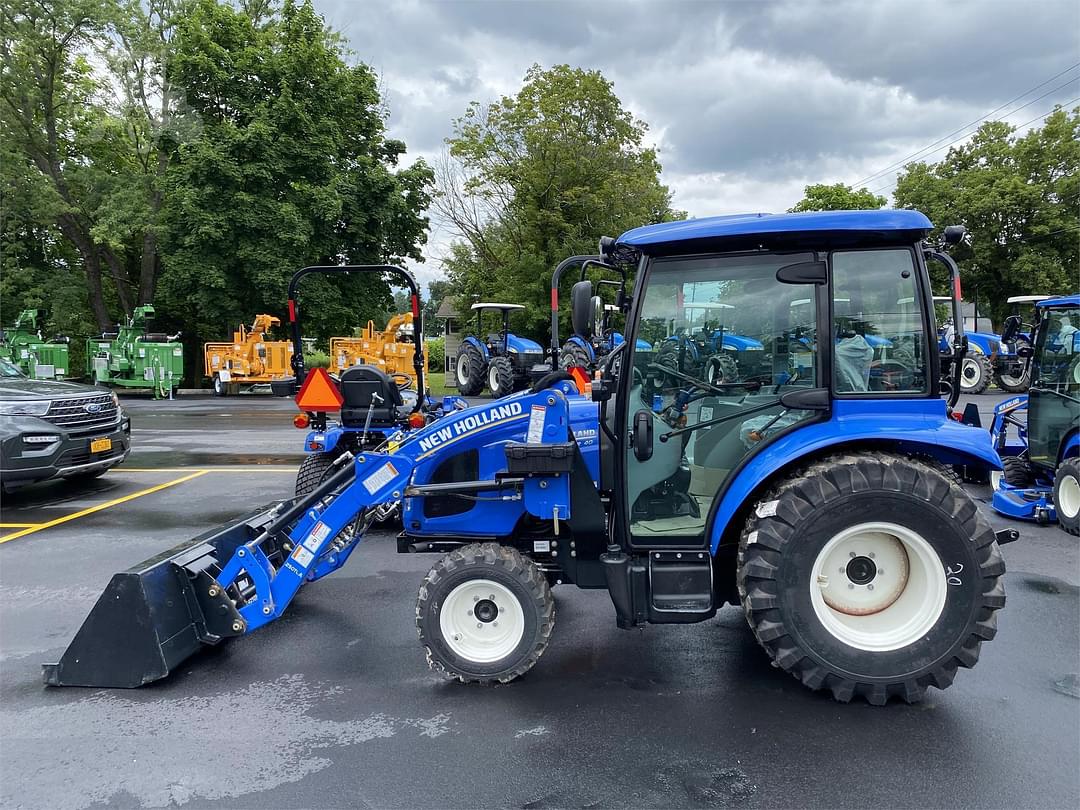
152 617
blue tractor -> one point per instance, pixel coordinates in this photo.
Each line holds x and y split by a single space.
376 408
989 358
502 360
1012 374
1038 435
826 511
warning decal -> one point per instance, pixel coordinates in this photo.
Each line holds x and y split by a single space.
380 478
536 425
318 534
303 556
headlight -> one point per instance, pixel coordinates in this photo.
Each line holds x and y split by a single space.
115 400
512 350
32 407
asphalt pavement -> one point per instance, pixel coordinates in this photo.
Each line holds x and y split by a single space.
334 706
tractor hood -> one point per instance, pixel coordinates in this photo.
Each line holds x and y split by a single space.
522 345
741 343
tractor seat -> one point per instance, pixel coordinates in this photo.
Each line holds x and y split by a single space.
359 385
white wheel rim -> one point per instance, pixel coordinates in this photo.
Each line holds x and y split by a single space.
1076 373
1068 496
493 378
482 621
995 478
463 371
878 586
971 373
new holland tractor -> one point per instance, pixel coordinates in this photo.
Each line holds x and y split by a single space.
826 511
988 359
38 358
502 360
1038 435
1014 374
374 407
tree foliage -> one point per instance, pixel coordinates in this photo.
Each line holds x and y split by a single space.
837 197
1018 197
533 178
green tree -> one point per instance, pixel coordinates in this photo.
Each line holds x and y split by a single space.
533 178
837 197
291 167
1019 199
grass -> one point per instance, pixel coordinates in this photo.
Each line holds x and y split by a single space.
436 381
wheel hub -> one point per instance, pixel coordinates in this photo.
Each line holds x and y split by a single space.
481 621
486 610
861 570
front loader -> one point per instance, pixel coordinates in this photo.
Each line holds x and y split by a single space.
824 507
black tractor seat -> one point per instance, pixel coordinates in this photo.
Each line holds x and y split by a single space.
360 387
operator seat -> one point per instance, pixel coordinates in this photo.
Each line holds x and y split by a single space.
359 387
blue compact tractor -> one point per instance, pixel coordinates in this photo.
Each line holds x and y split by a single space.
502 360
1038 435
822 506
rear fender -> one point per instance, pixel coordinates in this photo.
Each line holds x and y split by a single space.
1070 446
323 441
479 344
584 344
915 426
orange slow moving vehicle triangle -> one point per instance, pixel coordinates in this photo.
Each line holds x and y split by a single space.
318 393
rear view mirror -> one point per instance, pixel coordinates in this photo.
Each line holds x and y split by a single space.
581 308
1011 329
954 234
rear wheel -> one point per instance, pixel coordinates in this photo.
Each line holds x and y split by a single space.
574 354
221 389
470 370
974 374
500 377
312 471
484 614
721 369
1013 383
1067 495
870 576
1016 472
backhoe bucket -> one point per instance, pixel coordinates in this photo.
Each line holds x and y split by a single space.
154 616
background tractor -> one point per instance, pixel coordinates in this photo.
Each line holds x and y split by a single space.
826 510
1038 435
502 360
1014 374
390 350
133 357
37 358
250 359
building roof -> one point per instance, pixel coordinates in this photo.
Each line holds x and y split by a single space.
489 305
884 221
447 309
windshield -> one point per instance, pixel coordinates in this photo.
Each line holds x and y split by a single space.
9 369
1058 349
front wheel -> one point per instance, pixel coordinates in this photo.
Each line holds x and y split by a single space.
974 374
1013 383
500 377
1067 495
484 614
872 576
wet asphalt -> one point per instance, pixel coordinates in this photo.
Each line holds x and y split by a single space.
334 706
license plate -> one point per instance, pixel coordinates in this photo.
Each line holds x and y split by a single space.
100 445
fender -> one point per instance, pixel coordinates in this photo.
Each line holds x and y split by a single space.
322 441
479 344
578 340
1070 446
914 425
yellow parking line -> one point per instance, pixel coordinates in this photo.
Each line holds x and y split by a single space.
18 525
75 516
204 469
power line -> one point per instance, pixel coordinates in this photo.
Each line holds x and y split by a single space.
1018 126
976 121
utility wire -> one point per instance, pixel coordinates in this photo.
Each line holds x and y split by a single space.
976 121
962 137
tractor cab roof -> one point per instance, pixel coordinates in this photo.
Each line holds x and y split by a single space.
1059 301
892 225
1026 299
500 307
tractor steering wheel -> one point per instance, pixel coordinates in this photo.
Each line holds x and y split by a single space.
402 380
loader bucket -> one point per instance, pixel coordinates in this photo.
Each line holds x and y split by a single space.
154 616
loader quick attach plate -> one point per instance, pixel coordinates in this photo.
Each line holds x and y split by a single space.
152 617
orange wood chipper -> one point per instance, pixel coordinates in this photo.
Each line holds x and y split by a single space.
390 350
250 358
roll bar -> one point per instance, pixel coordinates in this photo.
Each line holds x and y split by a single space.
418 327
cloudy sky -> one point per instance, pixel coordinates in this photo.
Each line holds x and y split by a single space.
747 102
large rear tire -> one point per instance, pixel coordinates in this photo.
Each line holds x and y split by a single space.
574 354
975 374
470 370
1016 471
721 369
871 576
1067 495
484 614
500 377
313 470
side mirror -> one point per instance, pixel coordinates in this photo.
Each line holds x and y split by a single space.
581 309
954 234
1011 329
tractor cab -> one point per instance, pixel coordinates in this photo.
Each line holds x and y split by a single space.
1038 435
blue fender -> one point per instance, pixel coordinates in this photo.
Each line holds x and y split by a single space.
1070 447
479 344
578 340
323 441
912 425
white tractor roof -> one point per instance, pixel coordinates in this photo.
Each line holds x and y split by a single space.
1026 299
489 305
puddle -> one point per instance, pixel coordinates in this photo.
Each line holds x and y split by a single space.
1069 685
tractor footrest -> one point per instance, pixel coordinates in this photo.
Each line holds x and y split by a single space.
680 585
539 459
